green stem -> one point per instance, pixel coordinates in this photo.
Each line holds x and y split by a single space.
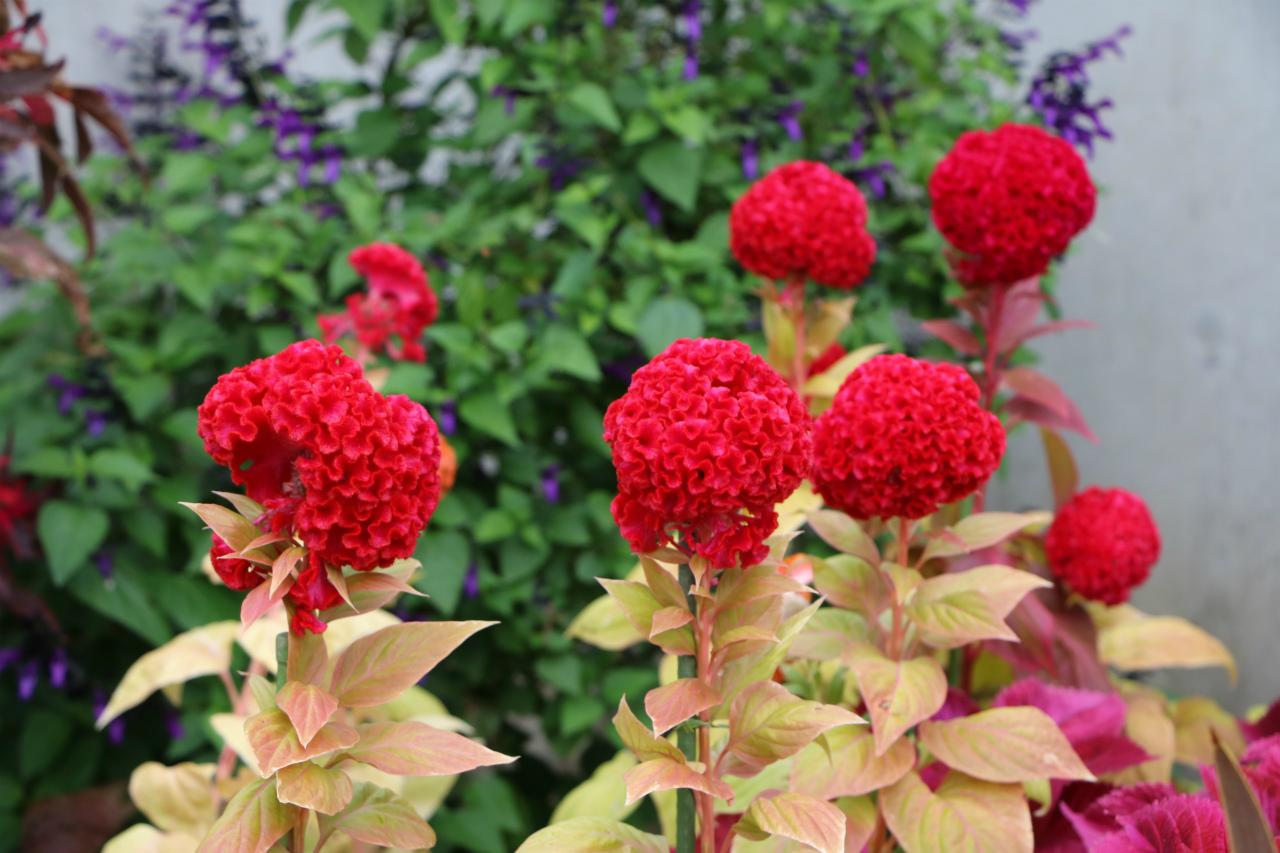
686 830
282 657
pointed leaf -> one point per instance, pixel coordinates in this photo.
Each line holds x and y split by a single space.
844 534
830 635
175 799
592 835
1247 823
957 619
1002 586
898 694
663 584
275 743
308 659
252 822
232 527
850 583
264 693
762 664
261 599
669 619
797 817
954 335
678 701
246 506
844 764
603 624
378 816
963 814
604 794
284 565
1162 642
1037 387
1063 474
639 739
746 585
417 749
308 707
1005 745
200 651
861 818
1026 409
981 531
384 664
314 787
768 723
663 774
637 601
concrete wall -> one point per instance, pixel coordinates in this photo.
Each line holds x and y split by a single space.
1182 380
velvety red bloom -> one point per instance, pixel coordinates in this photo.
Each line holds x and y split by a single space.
803 220
399 303
827 359
18 508
706 441
240 575
311 591
1009 201
352 474
902 438
1103 543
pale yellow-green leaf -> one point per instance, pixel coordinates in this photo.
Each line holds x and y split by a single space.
738 588
639 738
314 787
603 795
252 821
768 723
379 816
230 727
1002 586
592 835
662 582
964 814
1162 642
263 692
144 838
845 535
246 506
201 651
898 694
828 382
846 764
860 820
636 600
230 526
1005 745
603 624
417 749
793 512
956 619
774 777
668 619
815 823
850 583
275 743
661 774
1149 725
307 706
830 635
676 702
176 799
1197 721
981 531
761 664
382 665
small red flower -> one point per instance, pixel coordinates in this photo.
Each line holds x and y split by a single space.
705 442
311 591
803 220
1009 201
1103 543
350 473
399 303
902 438
18 508
827 359
240 575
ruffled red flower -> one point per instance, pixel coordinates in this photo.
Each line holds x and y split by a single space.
902 438
399 303
706 441
1103 543
240 575
352 474
311 591
1009 201
803 220
18 508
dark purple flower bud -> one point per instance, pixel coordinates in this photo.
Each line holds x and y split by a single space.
690 66
173 724
873 176
95 422
860 65
58 669
693 21
115 731
105 563
8 657
471 586
508 96
609 14
789 118
652 209
447 417
28 679
857 147
551 484
750 159
68 392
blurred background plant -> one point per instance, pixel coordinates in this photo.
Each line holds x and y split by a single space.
564 170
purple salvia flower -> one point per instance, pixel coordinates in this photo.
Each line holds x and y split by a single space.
173 724
471 585
609 14
95 422
551 484
693 22
652 209
857 146
508 96
1059 93
690 65
873 176
860 65
28 679
105 564
447 417
115 731
750 159
789 118
8 657
68 392
332 155
58 669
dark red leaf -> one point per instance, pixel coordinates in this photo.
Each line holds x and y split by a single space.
1268 724
1035 386
1026 409
71 189
1056 639
83 820
1063 475
17 82
1018 314
1176 824
1053 328
954 335
39 109
95 104
84 142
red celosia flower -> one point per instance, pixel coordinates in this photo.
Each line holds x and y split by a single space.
1009 201
399 302
1103 543
706 441
18 508
827 358
311 591
240 575
352 474
903 437
802 219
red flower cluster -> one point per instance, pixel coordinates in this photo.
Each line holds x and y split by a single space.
352 474
240 575
706 441
1009 201
1103 543
18 508
803 219
399 302
903 437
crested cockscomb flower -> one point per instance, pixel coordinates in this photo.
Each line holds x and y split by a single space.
237 574
707 439
351 474
902 438
311 591
396 307
1102 544
1009 201
803 220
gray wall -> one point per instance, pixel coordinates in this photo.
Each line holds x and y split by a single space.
1182 379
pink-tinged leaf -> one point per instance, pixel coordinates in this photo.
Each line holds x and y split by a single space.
1246 822
308 707
844 534
417 749
669 619
678 701
381 666
664 774
338 580
1022 305
843 763
245 505
261 599
1094 813
264 540
980 531
954 335
861 819
1183 822
592 835
663 585
308 659
768 723
637 601
962 814
252 822
314 787
283 567
1057 639
796 817
1060 461
232 527
1035 386
275 743
1026 409
378 816
851 583
1005 745
898 694
369 591
1051 328
639 739
747 585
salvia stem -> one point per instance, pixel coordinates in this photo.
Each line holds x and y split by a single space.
686 739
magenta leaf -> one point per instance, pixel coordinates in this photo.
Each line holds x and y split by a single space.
954 335
1026 409
957 704
1268 724
1180 823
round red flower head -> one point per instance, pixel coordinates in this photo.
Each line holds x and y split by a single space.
1102 544
350 473
902 438
1009 201
399 303
803 220
706 441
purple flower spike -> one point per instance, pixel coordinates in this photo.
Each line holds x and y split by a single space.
652 210
690 66
106 564
1059 93
58 669
173 724
693 21
95 422
115 731
860 65
551 484
471 586
857 147
750 160
609 14
28 679
8 657
447 417
68 392
789 118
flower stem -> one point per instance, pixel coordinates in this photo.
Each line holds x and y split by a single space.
686 832
991 366
706 802
793 300
298 839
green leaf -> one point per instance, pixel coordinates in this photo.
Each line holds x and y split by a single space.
665 320
44 734
69 533
485 412
453 26
674 170
768 723
121 465
592 835
593 100
603 795
301 285
365 15
444 556
124 599
563 349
